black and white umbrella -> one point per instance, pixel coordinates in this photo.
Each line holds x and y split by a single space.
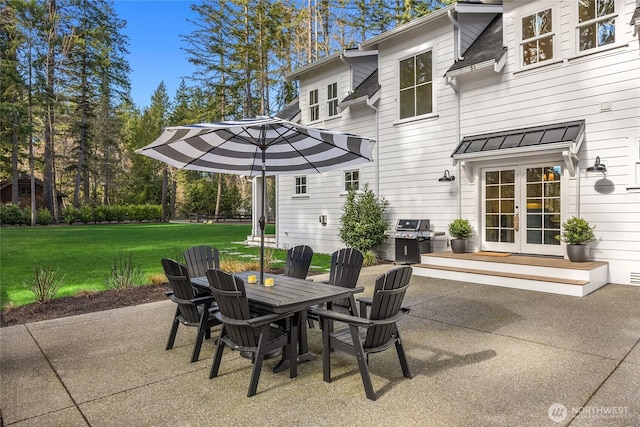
262 146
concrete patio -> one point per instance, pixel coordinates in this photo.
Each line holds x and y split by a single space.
480 356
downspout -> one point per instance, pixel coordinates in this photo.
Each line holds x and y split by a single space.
345 62
459 36
449 81
376 178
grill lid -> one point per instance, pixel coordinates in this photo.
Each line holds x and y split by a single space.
412 225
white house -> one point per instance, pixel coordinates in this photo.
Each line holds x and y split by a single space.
516 100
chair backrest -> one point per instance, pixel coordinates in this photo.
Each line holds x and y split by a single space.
298 261
345 267
231 296
183 292
388 295
199 259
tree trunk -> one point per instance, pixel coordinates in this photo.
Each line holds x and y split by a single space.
164 198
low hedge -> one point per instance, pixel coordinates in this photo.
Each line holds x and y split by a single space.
14 215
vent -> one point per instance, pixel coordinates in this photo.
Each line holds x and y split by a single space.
635 278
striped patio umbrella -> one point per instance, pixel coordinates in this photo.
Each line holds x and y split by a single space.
263 146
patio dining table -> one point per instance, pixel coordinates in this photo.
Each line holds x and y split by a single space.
288 295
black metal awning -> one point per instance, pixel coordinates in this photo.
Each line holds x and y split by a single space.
564 138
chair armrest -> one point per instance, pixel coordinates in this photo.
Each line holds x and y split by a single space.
357 290
342 317
365 300
203 299
254 321
393 319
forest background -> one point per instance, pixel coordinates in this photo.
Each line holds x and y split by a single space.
67 117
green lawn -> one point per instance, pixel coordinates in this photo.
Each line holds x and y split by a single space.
84 254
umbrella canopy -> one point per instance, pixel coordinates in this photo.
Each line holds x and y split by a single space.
262 146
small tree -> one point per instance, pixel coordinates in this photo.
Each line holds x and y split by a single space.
362 225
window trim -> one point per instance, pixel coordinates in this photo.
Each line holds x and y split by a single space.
332 101
412 54
620 35
556 33
345 180
298 185
315 107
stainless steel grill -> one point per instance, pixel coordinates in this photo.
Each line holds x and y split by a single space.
412 237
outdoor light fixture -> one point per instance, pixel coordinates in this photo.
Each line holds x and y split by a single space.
447 177
597 166
322 219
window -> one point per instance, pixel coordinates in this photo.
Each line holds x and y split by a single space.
314 106
596 23
537 37
416 85
301 185
351 180
332 99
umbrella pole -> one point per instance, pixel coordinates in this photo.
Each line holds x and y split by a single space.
262 221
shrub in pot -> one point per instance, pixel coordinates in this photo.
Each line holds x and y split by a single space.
577 233
459 230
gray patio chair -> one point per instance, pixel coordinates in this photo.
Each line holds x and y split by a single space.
241 331
192 310
298 261
346 265
372 334
199 259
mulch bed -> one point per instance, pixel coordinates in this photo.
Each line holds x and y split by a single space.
84 302
88 302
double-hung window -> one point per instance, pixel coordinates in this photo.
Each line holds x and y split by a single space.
537 37
301 185
314 106
351 180
416 85
596 23
332 99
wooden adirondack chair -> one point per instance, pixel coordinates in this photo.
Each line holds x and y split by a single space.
199 259
298 261
374 334
243 332
345 269
192 310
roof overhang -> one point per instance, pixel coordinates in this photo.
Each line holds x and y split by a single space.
484 7
496 65
409 26
560 138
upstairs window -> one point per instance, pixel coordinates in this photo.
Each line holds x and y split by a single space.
596 23
416 85
537 37
332 99
301 185
314 106
351 180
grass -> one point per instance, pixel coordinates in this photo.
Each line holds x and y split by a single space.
84 254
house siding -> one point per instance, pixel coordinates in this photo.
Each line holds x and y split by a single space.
600 87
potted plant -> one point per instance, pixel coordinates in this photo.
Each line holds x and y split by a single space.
460 230
576 233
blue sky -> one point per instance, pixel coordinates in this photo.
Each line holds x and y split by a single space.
154 28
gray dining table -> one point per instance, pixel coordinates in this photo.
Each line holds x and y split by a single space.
288 295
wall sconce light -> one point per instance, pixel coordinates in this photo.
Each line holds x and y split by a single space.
322 219
447 177
597 166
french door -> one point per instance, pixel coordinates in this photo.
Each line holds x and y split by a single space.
521 208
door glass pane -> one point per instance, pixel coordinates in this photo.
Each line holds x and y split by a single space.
543 204
493 178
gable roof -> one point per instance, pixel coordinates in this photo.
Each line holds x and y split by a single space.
487 49
291 111
365 90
